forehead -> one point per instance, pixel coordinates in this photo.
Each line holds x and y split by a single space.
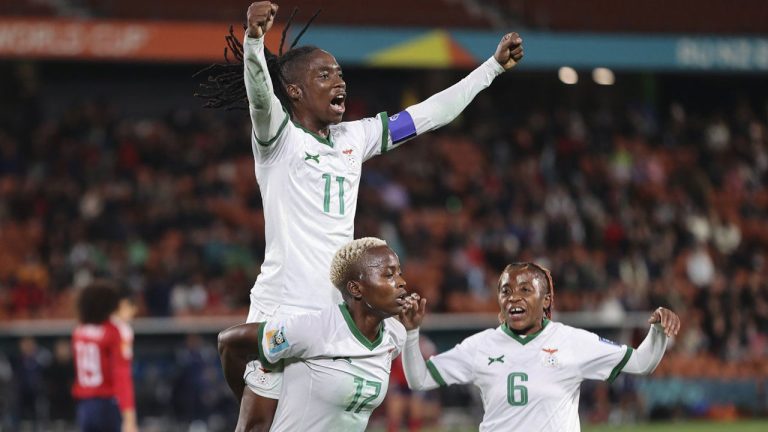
380 257
320 59
517 276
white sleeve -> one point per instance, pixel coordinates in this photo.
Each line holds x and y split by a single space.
648 355
268 117
455 366
414 366
600 358
373 134
443 107
288 338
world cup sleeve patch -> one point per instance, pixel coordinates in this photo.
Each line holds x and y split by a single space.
608 341
276 340
401 127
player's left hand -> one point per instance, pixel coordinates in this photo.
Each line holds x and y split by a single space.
669 321
510 50
413 311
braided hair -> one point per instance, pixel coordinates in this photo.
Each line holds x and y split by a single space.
543 272
225 85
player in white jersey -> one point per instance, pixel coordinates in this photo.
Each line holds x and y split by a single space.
529 369
337 360
308 166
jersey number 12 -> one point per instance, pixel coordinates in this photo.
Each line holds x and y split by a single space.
359 383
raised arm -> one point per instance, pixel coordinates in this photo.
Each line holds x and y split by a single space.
237 346
267 114
443 107
664 324
413 363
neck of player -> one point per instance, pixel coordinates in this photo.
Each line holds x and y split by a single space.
310 122
367 320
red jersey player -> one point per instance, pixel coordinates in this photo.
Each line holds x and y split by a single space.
103 347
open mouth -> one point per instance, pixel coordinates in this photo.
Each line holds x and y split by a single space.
515 312
337 103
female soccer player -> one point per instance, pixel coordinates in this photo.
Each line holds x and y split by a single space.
337 359
530 369
308 166
103 347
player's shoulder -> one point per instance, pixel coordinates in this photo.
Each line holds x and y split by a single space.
572 334
396 328
357 126
481 338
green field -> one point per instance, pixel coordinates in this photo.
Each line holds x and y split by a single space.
697 426
685 426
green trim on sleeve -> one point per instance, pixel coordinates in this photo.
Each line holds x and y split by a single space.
279 131
262 358
617 370
435 374
384 131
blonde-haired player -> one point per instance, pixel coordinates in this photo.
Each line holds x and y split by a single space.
529 369
337 360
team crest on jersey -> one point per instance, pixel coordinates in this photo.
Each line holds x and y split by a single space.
349 157
550 357
276 340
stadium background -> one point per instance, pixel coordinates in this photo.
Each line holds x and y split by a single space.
642 184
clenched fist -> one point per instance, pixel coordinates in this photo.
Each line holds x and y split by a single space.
261 16
510 50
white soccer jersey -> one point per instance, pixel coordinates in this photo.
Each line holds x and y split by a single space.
338 376
531 383
309 188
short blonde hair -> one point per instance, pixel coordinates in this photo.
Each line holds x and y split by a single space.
346 257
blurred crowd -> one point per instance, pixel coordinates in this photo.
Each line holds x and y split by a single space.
631 206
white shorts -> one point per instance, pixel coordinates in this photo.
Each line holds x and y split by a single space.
262 382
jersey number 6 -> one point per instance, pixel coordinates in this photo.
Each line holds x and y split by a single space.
517 395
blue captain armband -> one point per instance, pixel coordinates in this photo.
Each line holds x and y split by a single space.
401 127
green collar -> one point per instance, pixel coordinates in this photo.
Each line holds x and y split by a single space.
356 331
528 338
326 141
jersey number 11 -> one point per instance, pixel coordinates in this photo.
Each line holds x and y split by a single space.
327 194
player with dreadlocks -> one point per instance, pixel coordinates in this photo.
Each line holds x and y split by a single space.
530 369
308 165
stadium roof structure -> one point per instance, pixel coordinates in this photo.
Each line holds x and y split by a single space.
595 16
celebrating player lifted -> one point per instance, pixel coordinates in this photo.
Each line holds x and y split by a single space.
308 166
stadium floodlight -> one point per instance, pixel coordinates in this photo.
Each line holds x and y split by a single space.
603 76
568 75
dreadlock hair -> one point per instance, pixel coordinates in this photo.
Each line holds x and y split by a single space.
97 301
543 272
225 85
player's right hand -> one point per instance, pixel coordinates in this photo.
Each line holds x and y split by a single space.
509 52
261 16
413 313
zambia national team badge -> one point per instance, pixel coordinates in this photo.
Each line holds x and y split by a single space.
550 357
349 157
276 340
